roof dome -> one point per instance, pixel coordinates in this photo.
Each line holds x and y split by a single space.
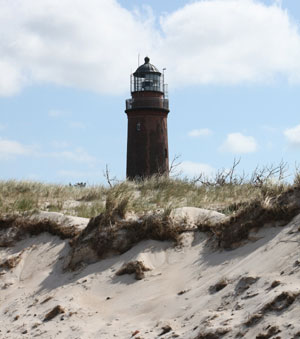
146 68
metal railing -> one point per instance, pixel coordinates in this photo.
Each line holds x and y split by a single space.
147 103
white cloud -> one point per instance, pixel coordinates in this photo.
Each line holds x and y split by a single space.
194 168
12 79
77 155
78 43
293 135
10 149
230 41
239 144
200 132
87 44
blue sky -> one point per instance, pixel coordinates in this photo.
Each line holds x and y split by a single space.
233 69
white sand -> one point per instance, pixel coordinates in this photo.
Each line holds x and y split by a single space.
149 304
193 216
66 220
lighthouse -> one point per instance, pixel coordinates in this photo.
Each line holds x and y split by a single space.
147 111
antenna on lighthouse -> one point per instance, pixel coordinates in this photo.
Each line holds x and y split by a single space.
164 85
139 60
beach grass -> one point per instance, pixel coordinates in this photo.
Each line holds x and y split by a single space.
139 197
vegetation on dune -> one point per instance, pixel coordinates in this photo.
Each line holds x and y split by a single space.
250 203
226 192
26 196
134 267
107 235
14 228
278 209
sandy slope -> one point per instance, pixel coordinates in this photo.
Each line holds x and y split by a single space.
178 291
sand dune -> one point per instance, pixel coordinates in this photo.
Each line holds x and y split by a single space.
189 292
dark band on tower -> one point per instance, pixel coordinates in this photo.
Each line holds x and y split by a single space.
147 111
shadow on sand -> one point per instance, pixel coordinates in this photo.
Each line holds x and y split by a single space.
59 276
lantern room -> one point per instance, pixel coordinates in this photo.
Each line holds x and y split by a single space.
148 78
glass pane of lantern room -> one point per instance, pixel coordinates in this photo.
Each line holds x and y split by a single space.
148 83
156 82
137 84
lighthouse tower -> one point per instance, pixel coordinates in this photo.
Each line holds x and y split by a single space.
147 112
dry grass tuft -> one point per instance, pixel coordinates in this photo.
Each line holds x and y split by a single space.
296 335
280 209
273 330
118 200
254 319
14 228
155 227
278 304
274 284
218 286
134 267
11 262
219 333
281 302
54 312
105 236
244 284
46 300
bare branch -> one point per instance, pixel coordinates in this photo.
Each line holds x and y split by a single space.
175 163
232 170
261 175
106 175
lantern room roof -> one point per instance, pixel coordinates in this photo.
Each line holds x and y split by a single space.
146 68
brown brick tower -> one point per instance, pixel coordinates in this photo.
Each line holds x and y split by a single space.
147 111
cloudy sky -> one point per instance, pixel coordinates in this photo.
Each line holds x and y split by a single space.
233 69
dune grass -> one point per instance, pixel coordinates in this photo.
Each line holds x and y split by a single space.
27 196
140 197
